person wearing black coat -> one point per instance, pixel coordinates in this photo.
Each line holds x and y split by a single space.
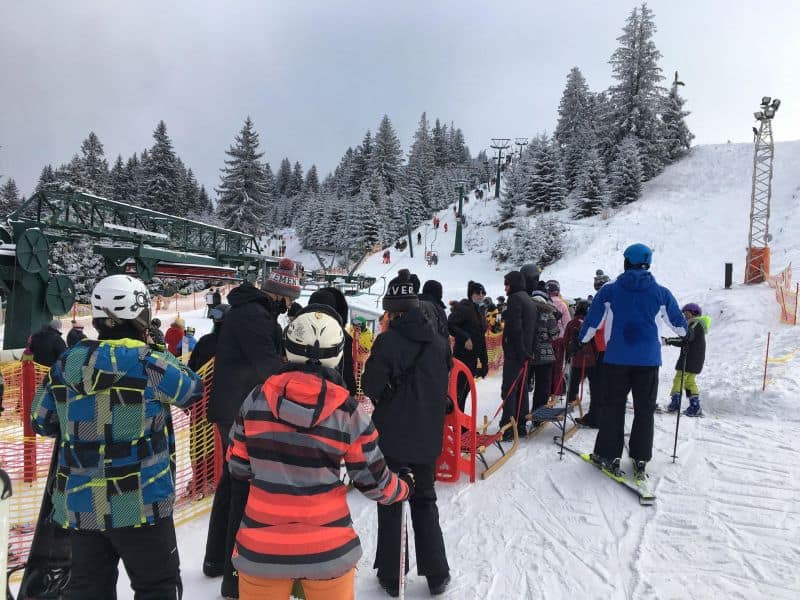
75 334
249 350
333 297
518 337
406 377
467 324
46 345
433 308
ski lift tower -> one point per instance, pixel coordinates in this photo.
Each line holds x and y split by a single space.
499 144
520 143
461 178
757 267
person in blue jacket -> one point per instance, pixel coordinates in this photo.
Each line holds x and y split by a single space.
630 306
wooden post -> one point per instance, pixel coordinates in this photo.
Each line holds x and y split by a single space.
766 358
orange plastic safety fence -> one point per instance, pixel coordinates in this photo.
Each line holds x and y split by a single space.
26 457
786 294
494 351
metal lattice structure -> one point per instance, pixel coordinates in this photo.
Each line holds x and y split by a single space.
757 267
57 212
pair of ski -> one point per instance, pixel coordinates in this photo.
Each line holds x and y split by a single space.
637 486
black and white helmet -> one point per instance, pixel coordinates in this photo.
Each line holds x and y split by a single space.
314 337
122 298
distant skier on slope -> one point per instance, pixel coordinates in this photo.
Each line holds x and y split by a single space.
692 357
631 305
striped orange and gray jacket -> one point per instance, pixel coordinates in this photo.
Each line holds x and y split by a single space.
289 440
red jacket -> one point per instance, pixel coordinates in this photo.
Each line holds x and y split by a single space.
586 356
289 441
173 337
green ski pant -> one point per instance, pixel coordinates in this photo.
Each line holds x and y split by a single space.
689 383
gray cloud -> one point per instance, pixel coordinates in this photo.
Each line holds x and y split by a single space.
315 75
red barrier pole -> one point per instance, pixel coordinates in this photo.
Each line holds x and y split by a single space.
766 358
29 437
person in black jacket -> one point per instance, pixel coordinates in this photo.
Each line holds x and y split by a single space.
333 297
75 334
46 345
249 350
518 337
467 323
690 361
406 377
433 308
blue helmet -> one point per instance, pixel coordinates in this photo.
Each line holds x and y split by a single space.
638 254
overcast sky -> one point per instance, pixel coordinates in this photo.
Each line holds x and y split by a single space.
315 75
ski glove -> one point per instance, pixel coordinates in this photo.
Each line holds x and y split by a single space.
407 475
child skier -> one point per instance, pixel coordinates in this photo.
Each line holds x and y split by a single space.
690 361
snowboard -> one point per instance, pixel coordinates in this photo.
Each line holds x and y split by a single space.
47 570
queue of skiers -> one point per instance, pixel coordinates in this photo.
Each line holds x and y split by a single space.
283 402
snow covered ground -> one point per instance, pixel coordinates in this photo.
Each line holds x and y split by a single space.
726 523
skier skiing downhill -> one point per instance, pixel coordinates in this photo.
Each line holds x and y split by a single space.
629 307
109 403
288 440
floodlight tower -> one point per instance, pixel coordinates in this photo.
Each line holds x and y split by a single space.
499 144
757 267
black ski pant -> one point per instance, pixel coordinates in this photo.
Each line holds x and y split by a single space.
149 555
218 521
541 377
595 377
428 540
514 392
462 385
642 382
227 511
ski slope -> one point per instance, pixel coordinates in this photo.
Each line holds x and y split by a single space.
726 523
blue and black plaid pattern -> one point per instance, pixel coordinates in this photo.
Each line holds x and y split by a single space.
110 402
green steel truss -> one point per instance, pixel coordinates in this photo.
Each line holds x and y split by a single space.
57 212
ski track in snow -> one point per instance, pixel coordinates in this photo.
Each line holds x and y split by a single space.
726 522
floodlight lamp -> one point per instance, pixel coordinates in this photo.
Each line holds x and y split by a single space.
769 113
775 104
765 100
758 115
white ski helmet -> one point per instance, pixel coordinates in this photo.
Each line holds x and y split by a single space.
122 298
314 337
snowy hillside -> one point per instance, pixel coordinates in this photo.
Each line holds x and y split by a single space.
726 523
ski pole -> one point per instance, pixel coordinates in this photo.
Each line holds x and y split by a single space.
685 350
401 579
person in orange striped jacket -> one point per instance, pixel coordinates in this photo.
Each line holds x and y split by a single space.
288 441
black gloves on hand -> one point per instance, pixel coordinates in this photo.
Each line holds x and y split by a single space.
449 407
407 475
481 372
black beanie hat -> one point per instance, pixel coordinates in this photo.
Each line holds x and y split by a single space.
433 288
401 294
473 287
332 297
515 280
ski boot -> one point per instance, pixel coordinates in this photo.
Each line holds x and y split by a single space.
675 402
694 409
639 467
608 464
